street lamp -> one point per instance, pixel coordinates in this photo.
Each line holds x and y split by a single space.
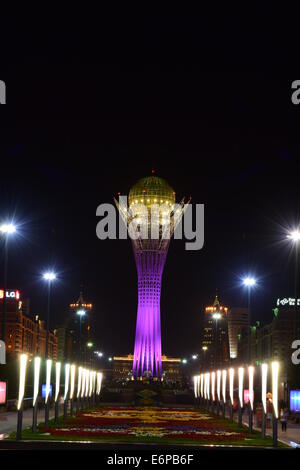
216 316
249 282
204 349
81 313
6 230
294 236
49 277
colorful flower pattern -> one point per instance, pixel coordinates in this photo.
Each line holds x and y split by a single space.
149 422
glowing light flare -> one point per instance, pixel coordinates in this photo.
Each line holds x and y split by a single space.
49 276
241 385
213 382
7 228
217 316
22 376
80 312
275 373
67 380
57 379
249 281
251 385
37 367
219 385
48 378
231 382
294 235
79 381
224 375
72 385
198 385
264 377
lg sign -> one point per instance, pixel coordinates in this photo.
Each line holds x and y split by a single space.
10 294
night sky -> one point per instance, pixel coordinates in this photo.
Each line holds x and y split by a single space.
90 111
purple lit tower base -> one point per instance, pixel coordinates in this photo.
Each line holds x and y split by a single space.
147 347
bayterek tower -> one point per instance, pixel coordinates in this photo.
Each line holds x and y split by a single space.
151 217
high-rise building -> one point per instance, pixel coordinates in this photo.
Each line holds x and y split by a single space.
24 332
75 333
151 219
215 342
237 327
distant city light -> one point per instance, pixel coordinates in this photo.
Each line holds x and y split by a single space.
184 361
49 276
110 359
81 312
204 348
249 281
90 344
8 228
194 356
217 316
99 353
294 236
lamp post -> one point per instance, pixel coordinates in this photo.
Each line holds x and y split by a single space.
295 238
37 366
49 277
204 349
22 377
67 380
218 390
72 387
216 316
57 387
6 230
241 393
264 377
231 386
251 396
81 313
48 386
249 282
224 374
275 371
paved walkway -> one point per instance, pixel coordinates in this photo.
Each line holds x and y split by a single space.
8 420
290 437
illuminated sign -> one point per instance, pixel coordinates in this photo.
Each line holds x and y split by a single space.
10 294
44 390
246 396
295 400
288 301
2 393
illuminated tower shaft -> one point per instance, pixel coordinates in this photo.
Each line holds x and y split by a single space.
147 347
153 214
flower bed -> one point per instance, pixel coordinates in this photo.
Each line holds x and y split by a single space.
152 422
